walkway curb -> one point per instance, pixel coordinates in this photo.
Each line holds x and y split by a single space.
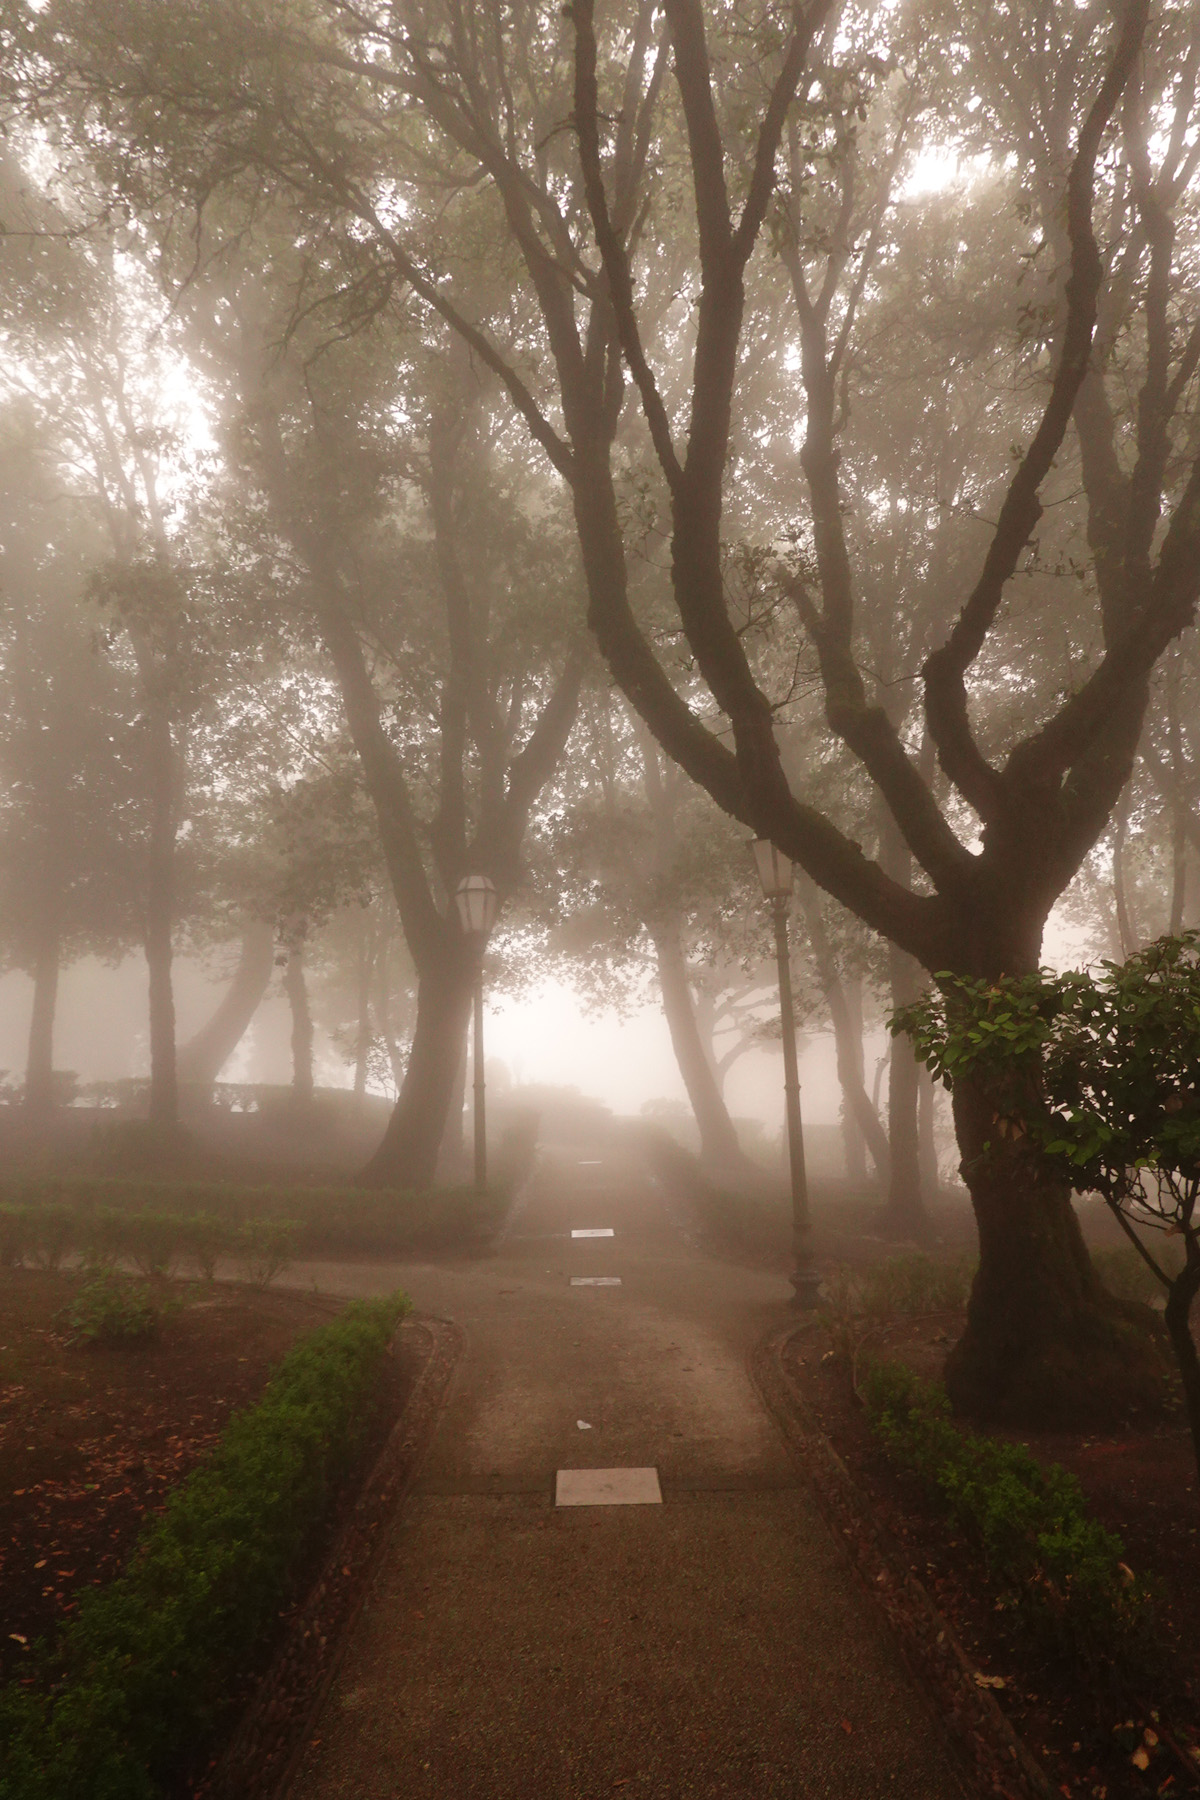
996 1760
263 1757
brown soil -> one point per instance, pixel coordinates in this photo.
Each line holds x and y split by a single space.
1141 1484
92 1441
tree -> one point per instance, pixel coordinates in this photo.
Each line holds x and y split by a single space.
468 127
1095 1077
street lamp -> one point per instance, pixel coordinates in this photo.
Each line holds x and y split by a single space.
475 898
775 876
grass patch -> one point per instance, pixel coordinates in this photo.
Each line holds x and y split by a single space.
139 1680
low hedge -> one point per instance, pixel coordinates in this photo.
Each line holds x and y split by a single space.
1062 1573
132 1692
47 1218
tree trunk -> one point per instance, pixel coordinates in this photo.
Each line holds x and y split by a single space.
160 919
296 989
847 1033
362 1044
1180 1300
201 1059
1045 1343
407 1155
39 1066
904 1215
854 1143
452 1157
931 1180
719 1146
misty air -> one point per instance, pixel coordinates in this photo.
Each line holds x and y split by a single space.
599 900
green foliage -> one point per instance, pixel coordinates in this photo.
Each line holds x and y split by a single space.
1063 1574
1101 1072
903 1287
51 1232
346 1221
204 1238
265 1247
113 1313
142 1673
911 1285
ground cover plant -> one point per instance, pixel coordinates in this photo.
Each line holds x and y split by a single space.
136 1681
95 1436
1085 1712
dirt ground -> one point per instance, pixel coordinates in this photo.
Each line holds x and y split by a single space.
1141 1484
92 1441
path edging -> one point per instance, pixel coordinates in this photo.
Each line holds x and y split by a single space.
262 1759
996 1758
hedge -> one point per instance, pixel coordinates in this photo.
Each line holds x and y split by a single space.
48 1217
1062 1573
140 1678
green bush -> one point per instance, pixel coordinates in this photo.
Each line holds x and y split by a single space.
142 1673
908 1286
1062 1572
204 1238
112 1312
15 1224
265 1247
353 1221
52 1232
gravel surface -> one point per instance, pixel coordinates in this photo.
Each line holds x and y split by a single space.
716 1645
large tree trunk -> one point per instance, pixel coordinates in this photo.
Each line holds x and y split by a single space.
452 1157
904 1215
296 989
160 920
1045 1342
408 1153
199 1062
39 1066
719 1145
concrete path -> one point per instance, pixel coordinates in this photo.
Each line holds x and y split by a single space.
712 1646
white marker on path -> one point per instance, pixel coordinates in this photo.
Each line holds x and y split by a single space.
595 1281
607 1487
604 1231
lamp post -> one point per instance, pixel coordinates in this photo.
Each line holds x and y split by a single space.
775 875
475 898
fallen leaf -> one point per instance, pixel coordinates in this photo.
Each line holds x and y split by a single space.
847 1726
1141 1757
989 1681
17 1638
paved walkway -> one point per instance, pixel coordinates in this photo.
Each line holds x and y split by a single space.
711 1646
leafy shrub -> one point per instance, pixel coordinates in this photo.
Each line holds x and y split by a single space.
265 1247
141 1674
14 1235
112 1312
1063 1572
908 1286
353 1221
51 1233
204 1238
153 1242
1127 1275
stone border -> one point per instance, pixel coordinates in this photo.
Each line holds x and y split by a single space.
262 1759
996 1759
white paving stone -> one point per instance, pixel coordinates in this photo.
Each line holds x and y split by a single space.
595 1281
603 1231
607 1487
